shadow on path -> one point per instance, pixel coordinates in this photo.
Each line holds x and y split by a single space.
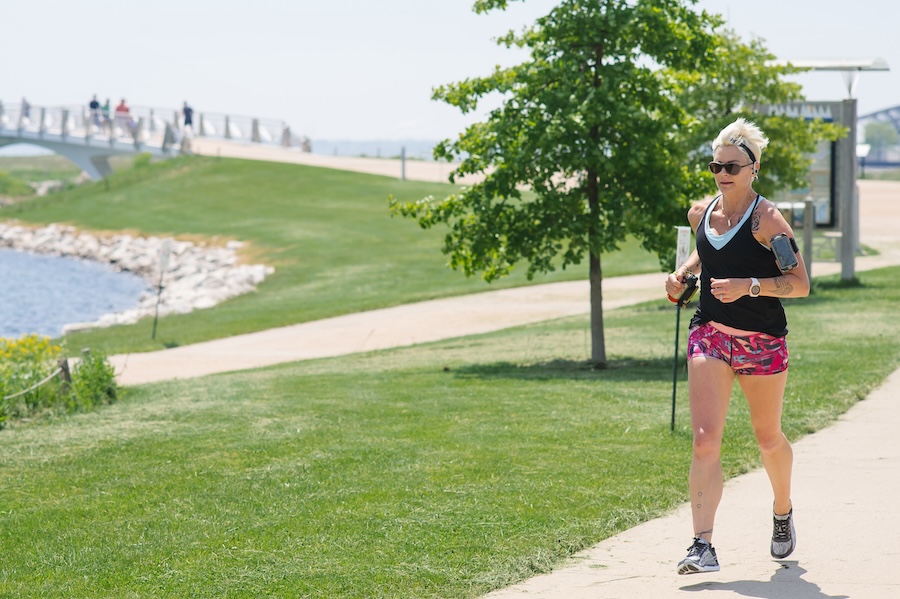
786 583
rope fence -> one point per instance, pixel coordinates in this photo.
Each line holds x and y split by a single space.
63 370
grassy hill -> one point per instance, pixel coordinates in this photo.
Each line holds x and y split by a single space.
328 233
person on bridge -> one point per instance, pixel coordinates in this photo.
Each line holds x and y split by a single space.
123 116
738 333
188 113
105 112
94 106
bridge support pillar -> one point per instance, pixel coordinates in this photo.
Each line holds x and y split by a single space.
95 165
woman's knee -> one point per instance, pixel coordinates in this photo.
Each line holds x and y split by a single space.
707 446
770 441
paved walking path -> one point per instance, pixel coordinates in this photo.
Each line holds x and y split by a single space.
846 478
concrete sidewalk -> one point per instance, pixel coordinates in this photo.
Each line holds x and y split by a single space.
409 324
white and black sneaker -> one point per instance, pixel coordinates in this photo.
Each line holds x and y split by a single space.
701 557
784 535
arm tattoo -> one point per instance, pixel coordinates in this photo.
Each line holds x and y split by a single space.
783 286
754 221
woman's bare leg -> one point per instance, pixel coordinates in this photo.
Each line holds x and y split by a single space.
709 383
765 397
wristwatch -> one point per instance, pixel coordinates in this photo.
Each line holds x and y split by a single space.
754 287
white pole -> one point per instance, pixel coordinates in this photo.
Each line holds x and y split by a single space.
403 163
164 250
683 249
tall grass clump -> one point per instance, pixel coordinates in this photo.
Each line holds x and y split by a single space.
35 380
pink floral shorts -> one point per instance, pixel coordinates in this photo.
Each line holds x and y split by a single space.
752 354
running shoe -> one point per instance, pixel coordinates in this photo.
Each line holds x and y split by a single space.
784 535
701 557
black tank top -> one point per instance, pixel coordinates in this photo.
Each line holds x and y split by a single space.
741 257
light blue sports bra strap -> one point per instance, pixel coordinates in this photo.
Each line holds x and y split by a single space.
719 241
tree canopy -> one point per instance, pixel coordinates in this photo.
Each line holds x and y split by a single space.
599 136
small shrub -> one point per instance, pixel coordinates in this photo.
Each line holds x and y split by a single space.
93 381
142 160
30 384
24 363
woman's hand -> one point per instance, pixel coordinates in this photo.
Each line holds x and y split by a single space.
729 290
675 285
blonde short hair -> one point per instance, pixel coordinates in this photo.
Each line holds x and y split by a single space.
745 135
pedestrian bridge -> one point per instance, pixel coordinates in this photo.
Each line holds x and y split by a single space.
89 138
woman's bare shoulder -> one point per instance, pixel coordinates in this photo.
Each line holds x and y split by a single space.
770 221
697 209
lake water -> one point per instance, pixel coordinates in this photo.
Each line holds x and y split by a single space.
41 294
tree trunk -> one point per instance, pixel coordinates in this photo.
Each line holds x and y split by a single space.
598 344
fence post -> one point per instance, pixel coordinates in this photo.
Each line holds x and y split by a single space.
64 125
138 131
254 131
42 127
65 377
87 121
809 227
285 136
227 127
168 138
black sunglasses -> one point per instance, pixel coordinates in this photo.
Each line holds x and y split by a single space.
732 168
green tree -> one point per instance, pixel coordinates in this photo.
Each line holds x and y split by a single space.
589 127
881 136
607 126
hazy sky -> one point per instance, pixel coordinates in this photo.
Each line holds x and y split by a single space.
358 69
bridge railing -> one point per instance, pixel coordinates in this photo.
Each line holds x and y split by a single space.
144 124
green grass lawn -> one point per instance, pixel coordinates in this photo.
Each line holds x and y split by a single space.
328 233
443 470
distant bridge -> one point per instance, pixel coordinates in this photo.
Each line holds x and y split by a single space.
89 138
888 115
889 156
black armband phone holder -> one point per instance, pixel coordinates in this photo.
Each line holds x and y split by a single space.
785 250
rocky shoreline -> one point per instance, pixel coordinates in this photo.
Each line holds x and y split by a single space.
195 276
